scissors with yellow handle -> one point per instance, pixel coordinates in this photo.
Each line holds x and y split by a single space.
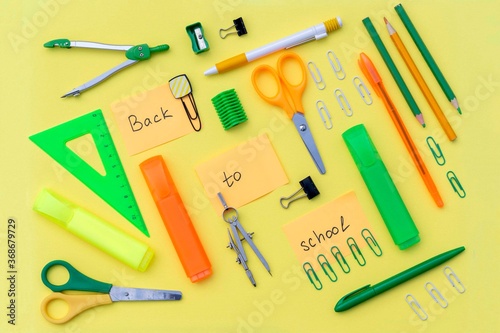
287 90
108 293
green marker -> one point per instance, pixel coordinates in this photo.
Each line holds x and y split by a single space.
427 56
362 294
396 217
394 71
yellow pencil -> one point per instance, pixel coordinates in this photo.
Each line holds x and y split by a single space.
421 83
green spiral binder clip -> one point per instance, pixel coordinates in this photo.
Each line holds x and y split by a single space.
229 109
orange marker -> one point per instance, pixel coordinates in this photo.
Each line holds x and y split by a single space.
373 77
420 81
176 219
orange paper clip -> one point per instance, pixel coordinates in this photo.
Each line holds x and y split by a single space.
179 226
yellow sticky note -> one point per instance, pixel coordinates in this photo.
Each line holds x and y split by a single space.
332 224
151 119
242 174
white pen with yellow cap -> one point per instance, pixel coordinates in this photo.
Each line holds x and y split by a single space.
314 33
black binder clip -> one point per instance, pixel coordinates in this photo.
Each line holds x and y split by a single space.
239 25
309 189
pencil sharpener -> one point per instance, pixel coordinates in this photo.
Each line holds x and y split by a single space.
198 42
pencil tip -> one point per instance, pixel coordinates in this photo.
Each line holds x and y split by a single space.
385 20
454 102
420 118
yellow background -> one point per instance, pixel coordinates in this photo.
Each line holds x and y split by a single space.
462 36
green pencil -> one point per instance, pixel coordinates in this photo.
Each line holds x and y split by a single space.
427 56
394 71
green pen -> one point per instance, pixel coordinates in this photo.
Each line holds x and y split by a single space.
362 294
427 56
394 71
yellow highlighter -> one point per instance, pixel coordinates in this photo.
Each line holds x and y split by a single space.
94 230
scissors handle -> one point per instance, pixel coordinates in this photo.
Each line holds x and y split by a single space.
76 280
296 90
281 80
76 305
279 99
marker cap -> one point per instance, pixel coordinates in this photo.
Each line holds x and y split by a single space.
176 219
94 230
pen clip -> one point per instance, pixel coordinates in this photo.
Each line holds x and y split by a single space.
352 293
308 39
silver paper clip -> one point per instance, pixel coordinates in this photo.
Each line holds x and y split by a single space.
435 150
316 75
340 259
325 265
342 100
415 306
324 114
336 65
356 252
363 91
452 277
432 290
455 183
311 274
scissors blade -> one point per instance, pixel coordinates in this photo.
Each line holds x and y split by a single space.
305 133
137 294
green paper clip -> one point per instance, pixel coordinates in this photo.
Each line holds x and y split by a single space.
436 150
455 183
372 243
326 265
316 282
342 262
356 252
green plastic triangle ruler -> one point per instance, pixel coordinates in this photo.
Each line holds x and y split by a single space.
113 187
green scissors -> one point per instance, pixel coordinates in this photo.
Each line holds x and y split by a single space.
109 293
